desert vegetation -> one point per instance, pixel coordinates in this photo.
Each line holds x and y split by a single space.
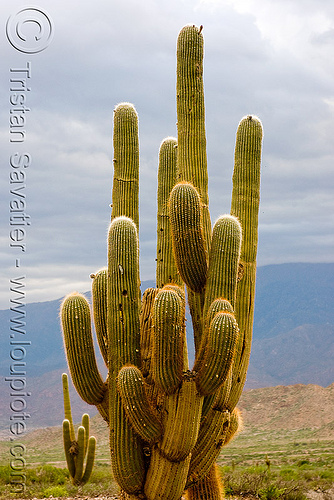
267 465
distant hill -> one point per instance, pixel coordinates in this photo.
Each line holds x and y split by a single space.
290 407
303 355
292 342
291 295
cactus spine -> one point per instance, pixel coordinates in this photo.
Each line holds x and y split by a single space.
168 423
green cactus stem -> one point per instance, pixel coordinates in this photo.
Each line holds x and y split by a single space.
191 136
75 318
99 302
70 447
212 436
124 348
245 206
221 396
187 235
184 406
165 479
90 460
146 326
235 425
219 353
130 385
67 405
218 400
168 341
126 163
217 306
123 294
180 292
166 269
81 455
223 261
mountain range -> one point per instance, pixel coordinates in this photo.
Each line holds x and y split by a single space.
292 339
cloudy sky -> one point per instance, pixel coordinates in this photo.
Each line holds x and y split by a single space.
270 58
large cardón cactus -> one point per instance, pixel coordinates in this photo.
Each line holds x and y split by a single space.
168 422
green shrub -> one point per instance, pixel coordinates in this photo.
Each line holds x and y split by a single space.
55 491
53 475
5 471
265 485
327 474
271 492
288 473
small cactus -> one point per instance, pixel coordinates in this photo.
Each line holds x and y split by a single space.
77 450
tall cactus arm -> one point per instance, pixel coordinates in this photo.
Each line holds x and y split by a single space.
99 302
85 424
89 460
124 344
79 347
245 206
222 274
126 163
223 261
180 292
123 294
246 183
191 137
166 269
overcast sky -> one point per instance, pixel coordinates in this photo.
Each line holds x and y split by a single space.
270 58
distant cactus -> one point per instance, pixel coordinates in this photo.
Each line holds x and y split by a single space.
77 450
167 422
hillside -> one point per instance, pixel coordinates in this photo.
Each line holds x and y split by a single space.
290 407
304 354
291 295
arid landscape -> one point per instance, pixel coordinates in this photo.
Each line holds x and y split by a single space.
288 438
